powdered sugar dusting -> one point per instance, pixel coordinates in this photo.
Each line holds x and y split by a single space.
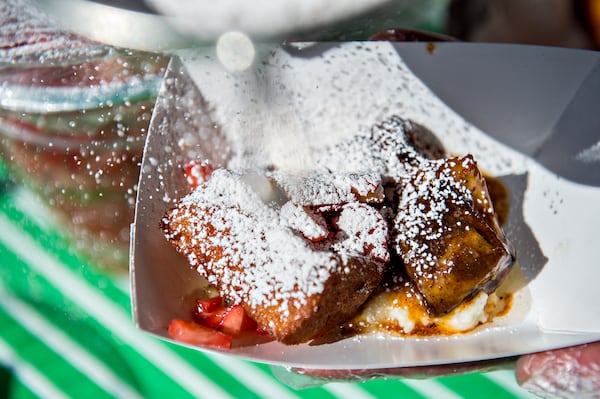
259 257
382 150
424 203
318 189
321 97
311 225
363 231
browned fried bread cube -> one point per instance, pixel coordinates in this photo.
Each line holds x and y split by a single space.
295 289
447 234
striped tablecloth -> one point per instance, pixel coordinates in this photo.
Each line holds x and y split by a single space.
66 331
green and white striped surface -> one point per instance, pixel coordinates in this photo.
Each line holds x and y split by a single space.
66 331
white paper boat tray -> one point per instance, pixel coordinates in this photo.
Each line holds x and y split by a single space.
529 115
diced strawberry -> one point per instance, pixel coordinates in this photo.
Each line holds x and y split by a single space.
197 172
260 331
193 333
212 319
248 323
236 320
210 312
208 304
232 320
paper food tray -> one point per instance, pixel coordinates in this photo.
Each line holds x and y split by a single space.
512 107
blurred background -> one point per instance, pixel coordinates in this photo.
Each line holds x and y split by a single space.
78 80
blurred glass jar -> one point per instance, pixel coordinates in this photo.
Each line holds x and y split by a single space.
73 119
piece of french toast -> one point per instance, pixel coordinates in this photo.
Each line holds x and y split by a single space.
447 234
296 288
